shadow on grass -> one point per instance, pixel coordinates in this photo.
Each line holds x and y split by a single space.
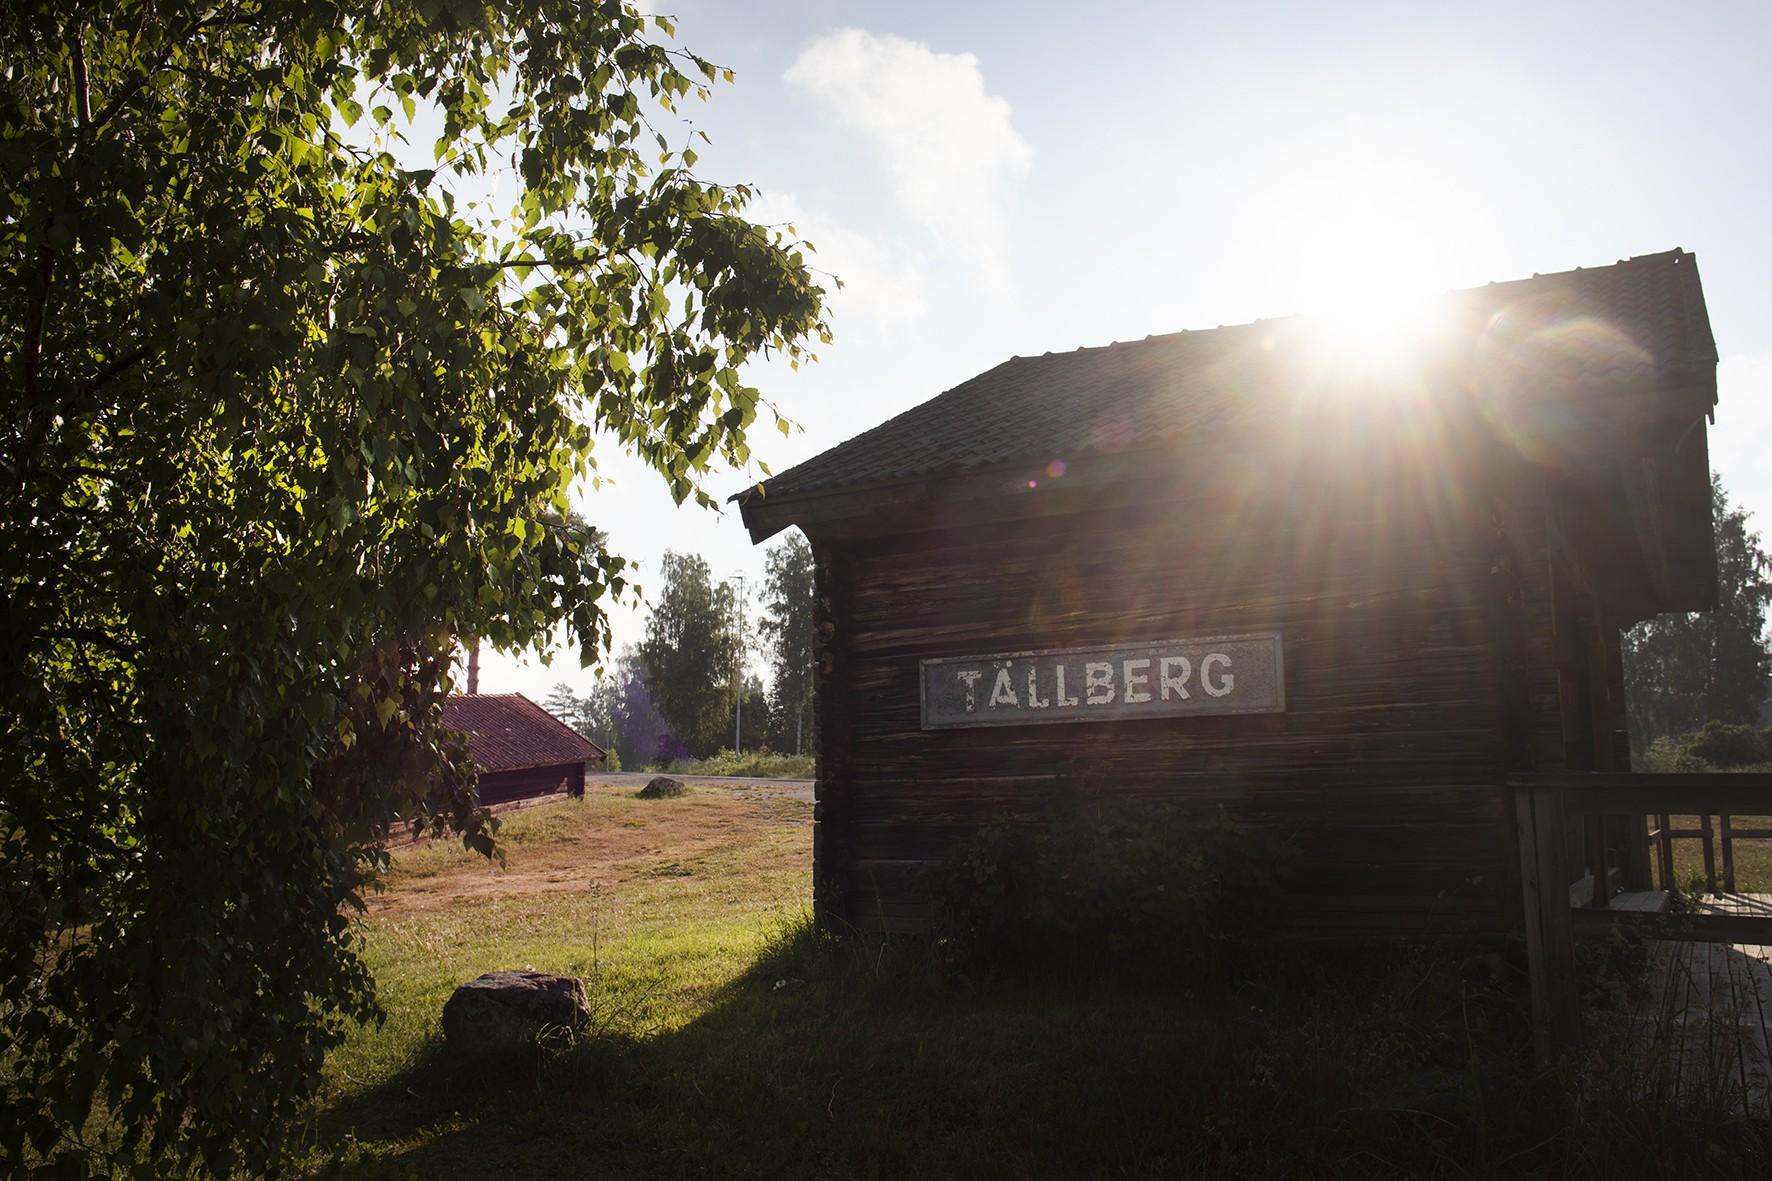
851 1059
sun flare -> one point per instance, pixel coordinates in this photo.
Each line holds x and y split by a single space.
1365 234
1374 324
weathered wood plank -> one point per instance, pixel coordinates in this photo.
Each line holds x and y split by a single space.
1714 927
1648 901
833 722
1637 793
1549 923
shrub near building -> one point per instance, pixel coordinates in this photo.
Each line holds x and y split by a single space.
1131 889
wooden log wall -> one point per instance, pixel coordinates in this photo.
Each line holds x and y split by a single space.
498 787
1387 767
1596 571
832 852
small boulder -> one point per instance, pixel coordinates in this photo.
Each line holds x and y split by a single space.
504 1012
662 787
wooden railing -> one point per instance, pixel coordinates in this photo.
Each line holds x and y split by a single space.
1721 840
1543 805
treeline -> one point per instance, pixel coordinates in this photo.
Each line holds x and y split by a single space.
1696 683
684 691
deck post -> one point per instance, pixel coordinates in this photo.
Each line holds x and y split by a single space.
1593 834
1550 927
1726 837
1710 855
1665 850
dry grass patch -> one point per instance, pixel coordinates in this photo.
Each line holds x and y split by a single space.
601 841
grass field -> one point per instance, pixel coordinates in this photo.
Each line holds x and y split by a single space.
731 1041
1753 858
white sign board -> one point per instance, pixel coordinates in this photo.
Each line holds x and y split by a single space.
1169 678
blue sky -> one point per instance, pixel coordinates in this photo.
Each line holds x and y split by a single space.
999 179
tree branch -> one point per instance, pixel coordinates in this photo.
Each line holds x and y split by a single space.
566 263
32 354
111 370
82 92
134 85
129 90
97 637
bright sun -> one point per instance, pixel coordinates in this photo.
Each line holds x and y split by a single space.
1365 240
1375 323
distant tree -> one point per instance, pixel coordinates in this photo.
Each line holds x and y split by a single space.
596 713
781 724
1683 670
641 735
755 718
690 654
281 419
787 628
564 704
740 632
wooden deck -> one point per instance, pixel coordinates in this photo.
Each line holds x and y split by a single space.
1707 1007
1640 901
1546 808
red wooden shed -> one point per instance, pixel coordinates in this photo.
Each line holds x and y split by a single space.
522 750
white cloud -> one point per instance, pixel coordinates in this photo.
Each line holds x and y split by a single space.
946 145
883 284
1739 441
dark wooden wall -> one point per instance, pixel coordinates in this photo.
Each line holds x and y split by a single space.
1590 565
1421 666
498 787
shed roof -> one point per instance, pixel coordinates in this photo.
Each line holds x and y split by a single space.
1638 324
509 732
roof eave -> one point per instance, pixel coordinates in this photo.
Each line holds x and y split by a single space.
602 755
982 493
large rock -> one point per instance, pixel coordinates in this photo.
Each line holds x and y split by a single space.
662 787
503 1012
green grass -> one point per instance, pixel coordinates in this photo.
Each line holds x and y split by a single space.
734 1041
1753 858
748 764
656 902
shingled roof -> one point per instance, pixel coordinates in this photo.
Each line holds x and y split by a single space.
1640 323
509 732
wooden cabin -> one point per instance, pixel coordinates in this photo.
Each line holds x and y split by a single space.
521 749
1344 591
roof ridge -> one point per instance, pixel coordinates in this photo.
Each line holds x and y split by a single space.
1072 403
1673 255
549 715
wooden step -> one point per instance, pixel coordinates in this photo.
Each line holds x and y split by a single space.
1647 901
